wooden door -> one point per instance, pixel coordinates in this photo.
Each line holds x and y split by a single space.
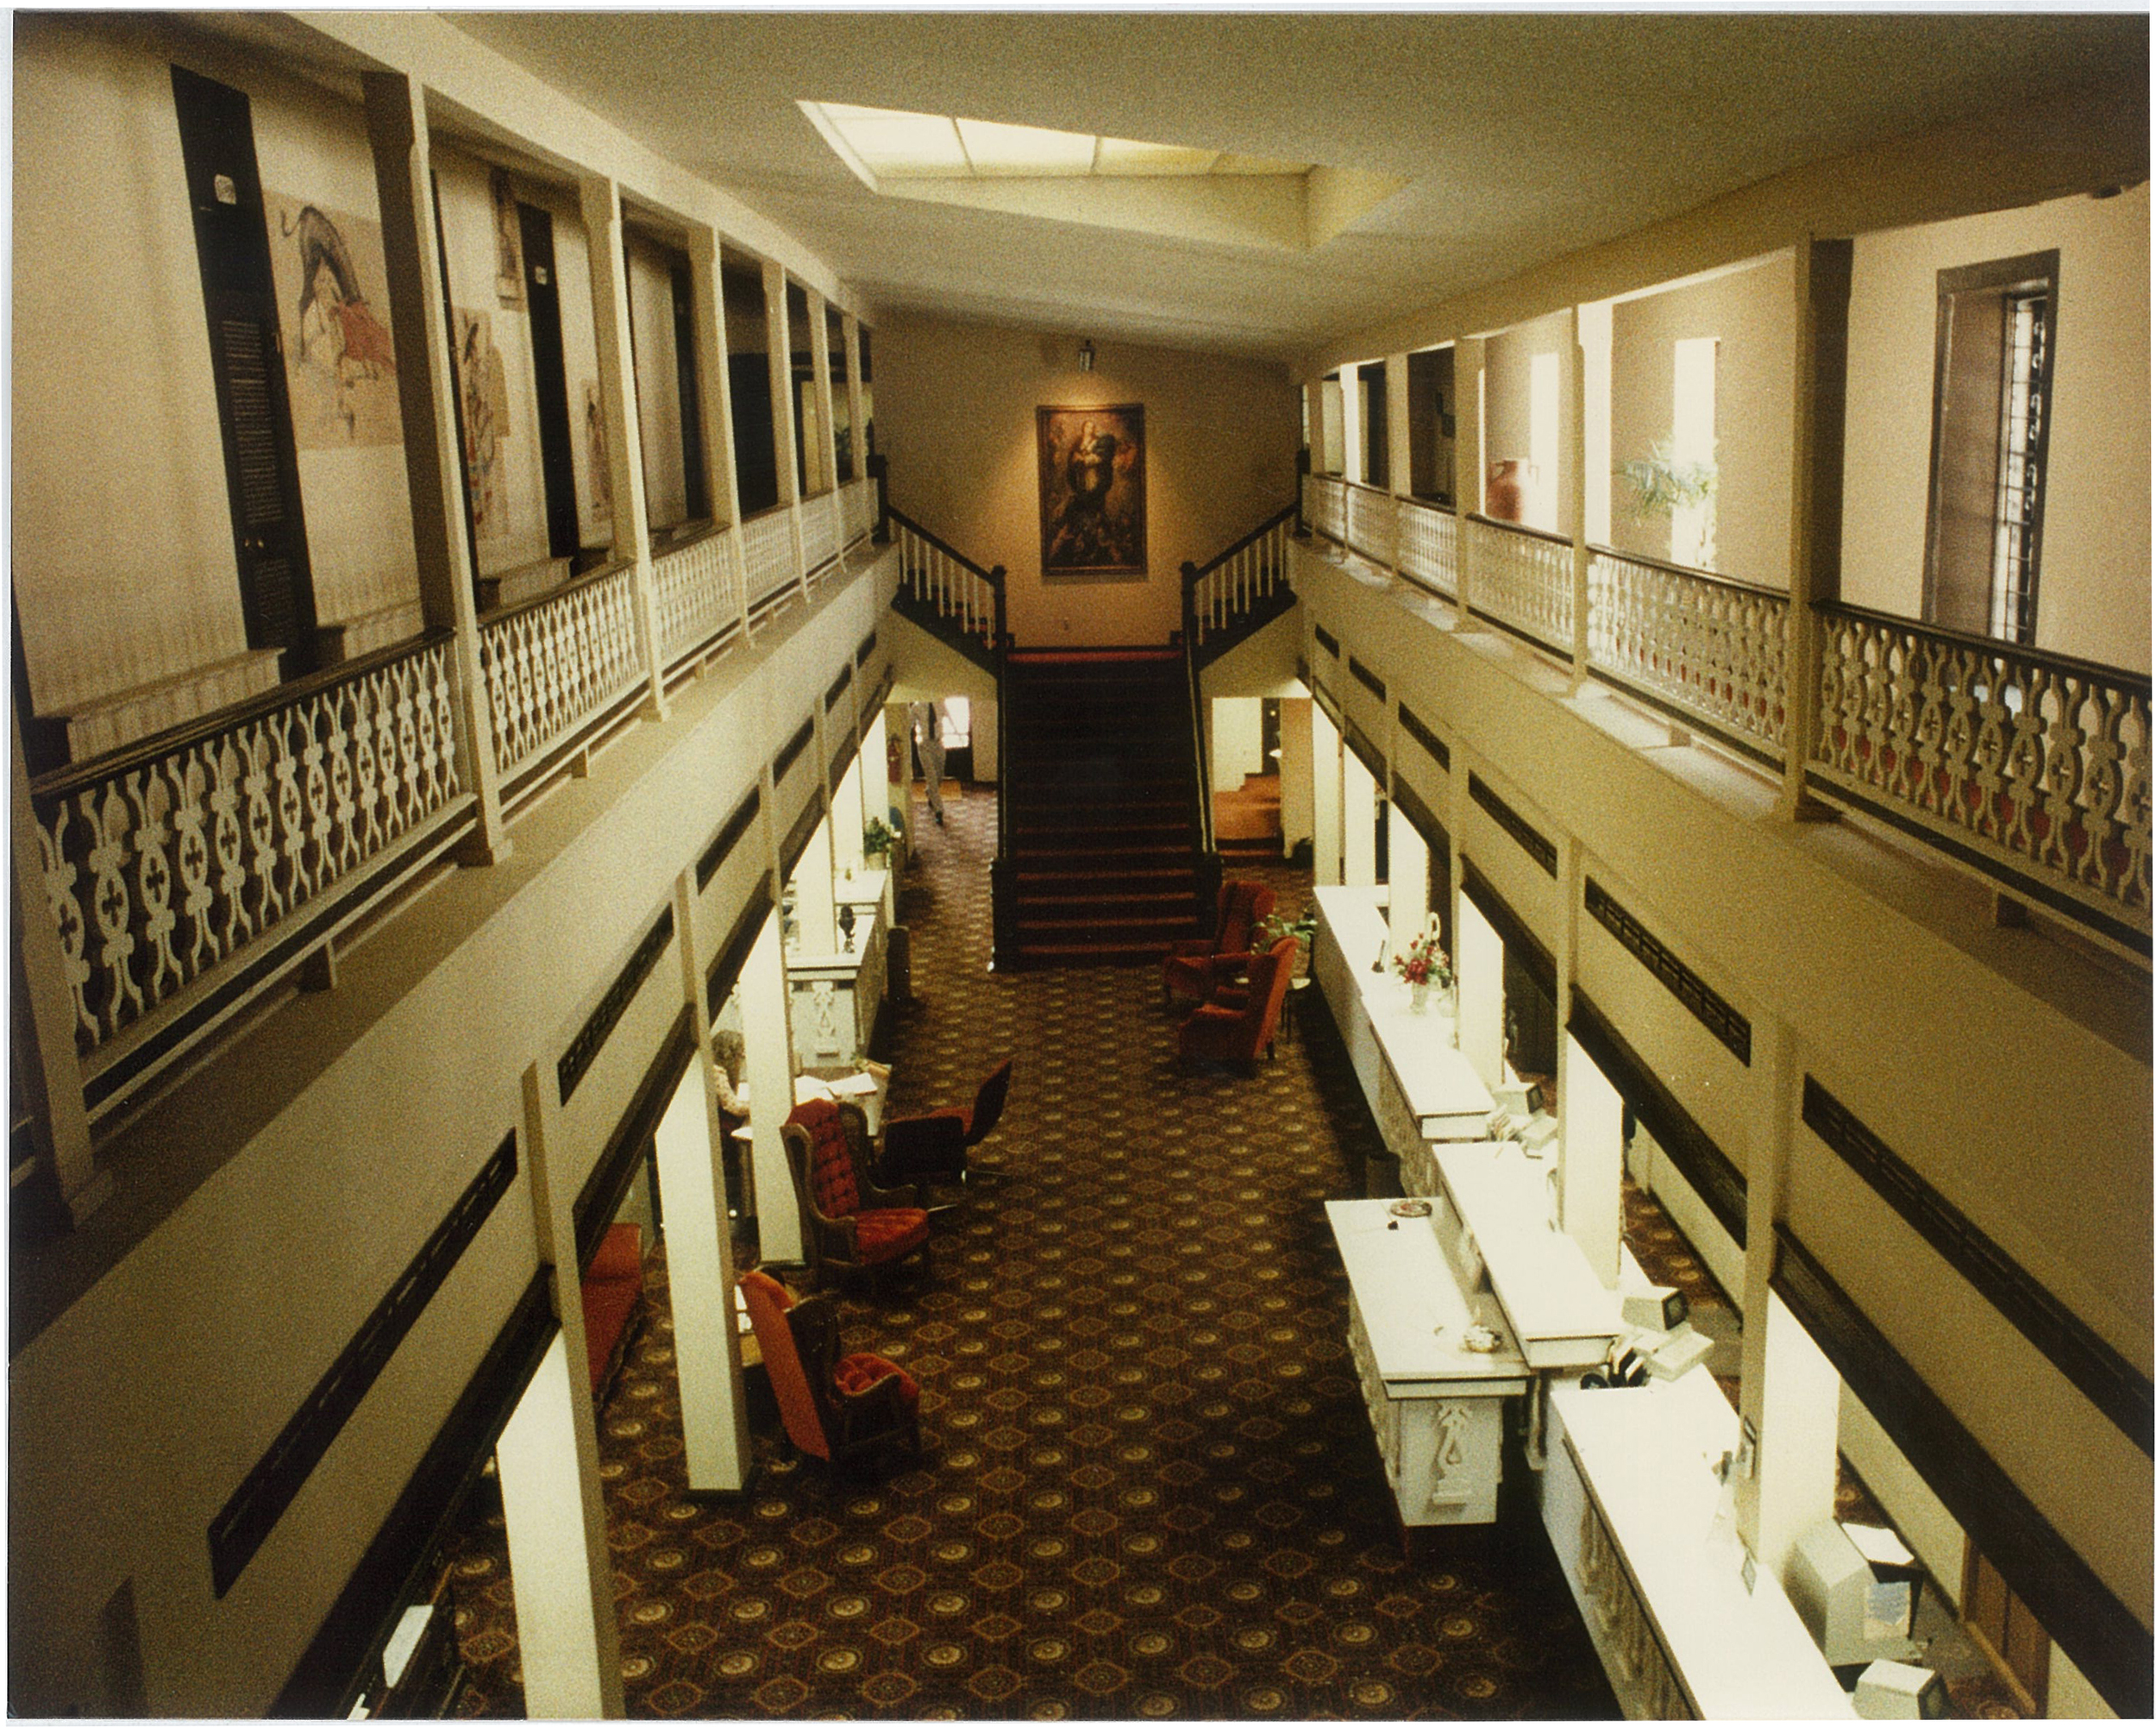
549 374
269 529
2007 1632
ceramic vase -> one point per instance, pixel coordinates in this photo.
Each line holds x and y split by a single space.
1505 493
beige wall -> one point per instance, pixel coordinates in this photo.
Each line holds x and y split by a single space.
1752 312
956 413
2093 591
658 384
1507 364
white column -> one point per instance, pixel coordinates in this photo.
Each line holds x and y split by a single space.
849 327
813 906
1358 823
846 822
548 1456
1324 797
1790 1394
1470 459
1591 1159
1399 444
768 1053
1478 960
715 372
700 1246
1351 422
1313 393
824 457
1407 870
1595 325
600 199
778 334
1572 491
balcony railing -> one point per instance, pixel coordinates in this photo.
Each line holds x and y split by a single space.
2030 761
1429 546
697 588
1523 580
1714 650
1325 505
857 510
820 531
555 661
165 864
1373 523
766 554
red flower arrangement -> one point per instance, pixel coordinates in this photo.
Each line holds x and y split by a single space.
1424 963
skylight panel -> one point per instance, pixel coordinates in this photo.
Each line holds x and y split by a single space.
1128 156
996 149
897 144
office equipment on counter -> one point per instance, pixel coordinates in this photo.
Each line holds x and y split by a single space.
1894 1690
1854 1615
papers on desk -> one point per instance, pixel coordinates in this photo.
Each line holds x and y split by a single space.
852 1085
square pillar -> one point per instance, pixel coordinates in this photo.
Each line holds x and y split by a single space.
767 1047
824 457
1324 797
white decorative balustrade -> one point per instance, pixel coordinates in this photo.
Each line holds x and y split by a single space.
857 509
940 580
1523 578
1429 546
180 856
551 663
1325 505
2037 762
1373 523
820 531
1715 648
697 588
1242 579
766 552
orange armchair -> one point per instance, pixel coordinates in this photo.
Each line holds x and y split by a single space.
848 1223
1192 969
843 1409
1242 1018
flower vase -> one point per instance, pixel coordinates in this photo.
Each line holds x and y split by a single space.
1418 998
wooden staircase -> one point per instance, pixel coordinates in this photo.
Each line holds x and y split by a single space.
1100 812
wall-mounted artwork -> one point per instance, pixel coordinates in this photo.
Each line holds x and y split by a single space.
600 491
509 242
483 387
332 305
1092 490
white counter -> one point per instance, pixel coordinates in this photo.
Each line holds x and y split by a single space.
1630 1501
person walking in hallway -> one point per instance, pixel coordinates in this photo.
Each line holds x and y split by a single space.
927 743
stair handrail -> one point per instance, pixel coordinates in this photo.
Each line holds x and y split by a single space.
1195 573
993 576
1203 788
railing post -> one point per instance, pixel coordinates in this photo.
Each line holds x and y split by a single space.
785 434
1574 398
1822 375
717 400
600 198
856 419
1399 452
1467 378
49 1071
826 399
434 469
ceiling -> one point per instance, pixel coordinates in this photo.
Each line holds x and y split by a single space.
1521 136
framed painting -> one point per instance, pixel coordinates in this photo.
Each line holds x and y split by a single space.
1092 490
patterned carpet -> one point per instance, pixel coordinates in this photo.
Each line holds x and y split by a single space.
1150 1488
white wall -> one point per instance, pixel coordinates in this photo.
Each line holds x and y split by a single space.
2093 589
1237 730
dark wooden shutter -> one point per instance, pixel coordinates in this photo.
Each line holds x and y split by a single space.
696 480
549 372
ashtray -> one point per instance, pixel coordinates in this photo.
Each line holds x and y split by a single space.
1479 1339
1409 1208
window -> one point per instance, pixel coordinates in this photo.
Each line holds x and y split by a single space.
1990 421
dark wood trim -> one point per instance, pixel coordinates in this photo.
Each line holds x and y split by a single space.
1367 752
2099 1372
733 953
1411 722
1703 1164
1729 1026
1194 573
601 1195
237 1532
1530 838
868 647
866 715
798 836
1326 639
576 1060
1408 801
836 773
327 1681
1328 703
839 686
791 751
1368 679
728 837
1519 941
2099 1633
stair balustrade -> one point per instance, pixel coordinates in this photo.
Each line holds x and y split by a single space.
948 592
1222 597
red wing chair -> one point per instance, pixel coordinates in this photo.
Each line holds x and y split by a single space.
843 1409
1194 968
613 1292
1238 1026
848 1223
933 1147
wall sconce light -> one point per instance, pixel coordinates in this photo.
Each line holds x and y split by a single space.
1085 356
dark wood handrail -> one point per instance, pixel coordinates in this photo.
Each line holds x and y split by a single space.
590 578
2116 677
1713 578
992 577
77 774
1521 528
682 535
1194 573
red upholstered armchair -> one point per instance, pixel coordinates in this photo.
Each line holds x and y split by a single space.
933 1147
848 1223
1192 969
1240 1021
843 1409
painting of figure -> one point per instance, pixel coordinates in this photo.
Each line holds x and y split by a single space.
1092 490
509 242
483 387
332 293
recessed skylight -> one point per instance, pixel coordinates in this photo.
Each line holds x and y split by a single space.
1178 189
